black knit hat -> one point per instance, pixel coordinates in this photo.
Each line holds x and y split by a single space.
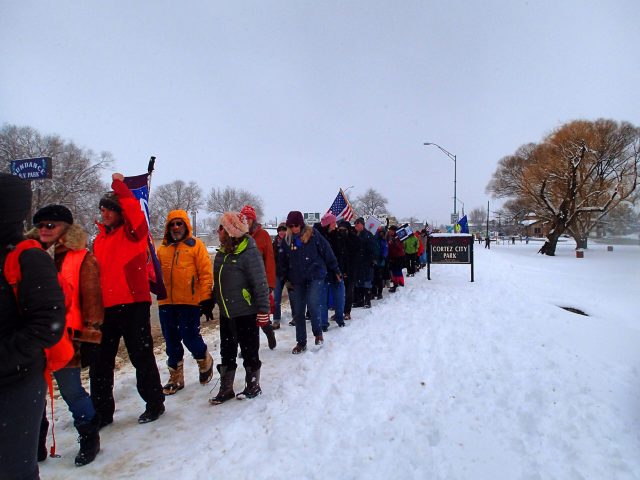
15 198
110 201
56 213
344 224
359 220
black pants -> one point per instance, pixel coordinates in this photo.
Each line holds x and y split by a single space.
241 331
412 262
132 322
378 280
348 294
21 407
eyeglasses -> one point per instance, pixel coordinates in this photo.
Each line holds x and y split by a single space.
48 226
176 224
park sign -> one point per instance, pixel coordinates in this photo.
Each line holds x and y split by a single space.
311 217
32 168
450 248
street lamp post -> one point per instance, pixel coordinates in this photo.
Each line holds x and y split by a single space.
452 157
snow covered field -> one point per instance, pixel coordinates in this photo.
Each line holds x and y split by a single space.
446 379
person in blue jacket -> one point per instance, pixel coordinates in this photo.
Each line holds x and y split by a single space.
306 260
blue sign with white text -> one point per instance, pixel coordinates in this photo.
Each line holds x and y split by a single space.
32 168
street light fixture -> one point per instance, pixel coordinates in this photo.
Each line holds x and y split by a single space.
452 157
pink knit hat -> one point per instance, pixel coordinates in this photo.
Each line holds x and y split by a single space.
327 219
249 212
234 223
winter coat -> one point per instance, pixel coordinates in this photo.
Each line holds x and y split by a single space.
263 242
277 252
32 323
365 256
345 247
411 245
186 265
90 311
122 253
382 252
307 256
240 283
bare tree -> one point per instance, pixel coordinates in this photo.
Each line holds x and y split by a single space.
478 216
371 203
574 177
232 199
76 172
176 195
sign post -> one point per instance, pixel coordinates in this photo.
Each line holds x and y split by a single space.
449 248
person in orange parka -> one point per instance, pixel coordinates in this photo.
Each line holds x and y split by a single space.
263 242
188 278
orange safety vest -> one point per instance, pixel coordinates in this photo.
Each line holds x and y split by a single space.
69 279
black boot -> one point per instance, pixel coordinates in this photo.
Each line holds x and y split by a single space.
358 297
89 442
367 298
42 439
394 288
252 386
227 376
271 335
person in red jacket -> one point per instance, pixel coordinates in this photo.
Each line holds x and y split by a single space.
121 251
263 242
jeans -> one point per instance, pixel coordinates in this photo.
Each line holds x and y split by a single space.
75 396
181 323
277 299
307 295
132 322
337 290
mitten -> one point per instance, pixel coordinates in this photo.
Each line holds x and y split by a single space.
206 308
262 319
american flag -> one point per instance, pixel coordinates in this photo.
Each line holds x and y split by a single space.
341 208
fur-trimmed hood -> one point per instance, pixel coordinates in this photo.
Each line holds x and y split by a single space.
75 238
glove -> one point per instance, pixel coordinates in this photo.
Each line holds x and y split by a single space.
89 353
206 308
262 319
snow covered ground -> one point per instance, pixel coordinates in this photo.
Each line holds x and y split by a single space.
446 379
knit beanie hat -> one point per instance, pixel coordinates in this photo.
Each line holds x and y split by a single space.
359 220
327 219
249 212
282 227
295 218
15 198
58 213
344 224
110 201
234 223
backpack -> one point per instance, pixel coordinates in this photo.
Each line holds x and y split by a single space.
59 355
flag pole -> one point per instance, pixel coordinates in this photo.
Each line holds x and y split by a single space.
150 167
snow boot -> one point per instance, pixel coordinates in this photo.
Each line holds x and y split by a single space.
271 335
299 348
151 414
319 340
367 298
393 289
205 366
42 439
176 380
227 376
276 324
89 439
252 384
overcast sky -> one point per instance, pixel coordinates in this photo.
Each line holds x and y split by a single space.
294 99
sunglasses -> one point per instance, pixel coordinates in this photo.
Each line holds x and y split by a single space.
48 226
176 224
295 225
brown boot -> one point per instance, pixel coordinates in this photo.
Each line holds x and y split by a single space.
205 366
176 380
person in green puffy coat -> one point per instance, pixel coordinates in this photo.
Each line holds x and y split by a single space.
411 247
